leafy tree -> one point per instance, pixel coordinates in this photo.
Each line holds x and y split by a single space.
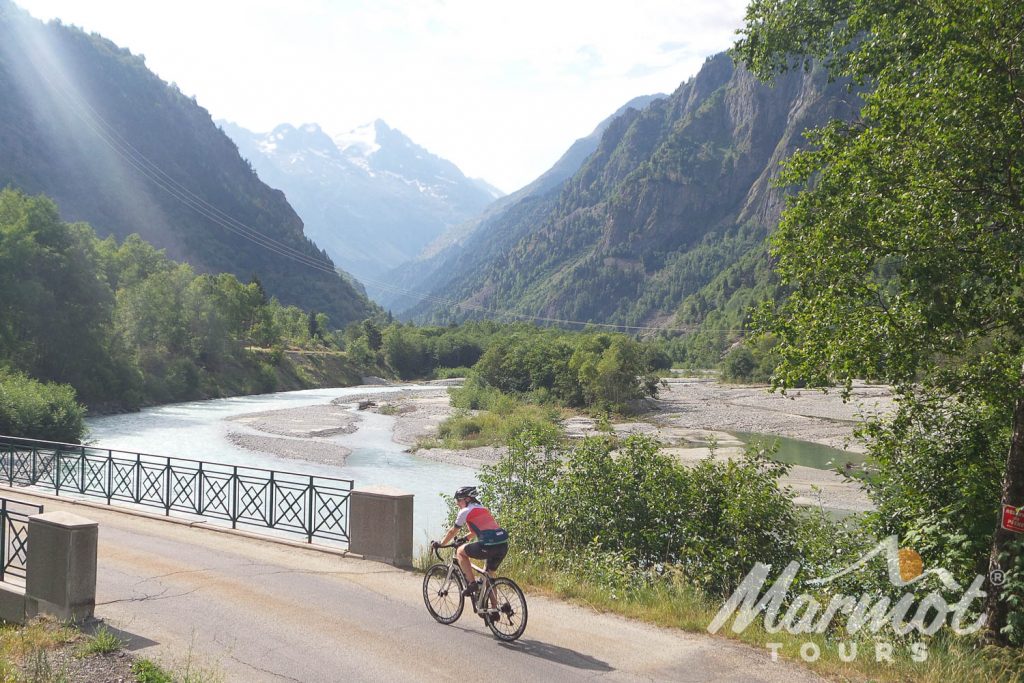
35 410
905 250
373 335
404 351
53 306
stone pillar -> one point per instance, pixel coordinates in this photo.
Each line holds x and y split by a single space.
380 524
61 568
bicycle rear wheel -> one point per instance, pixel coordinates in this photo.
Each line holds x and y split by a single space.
443 595
509 622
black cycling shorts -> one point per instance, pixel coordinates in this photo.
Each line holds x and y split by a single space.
494 554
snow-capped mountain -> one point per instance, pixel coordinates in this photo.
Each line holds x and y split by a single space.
371 197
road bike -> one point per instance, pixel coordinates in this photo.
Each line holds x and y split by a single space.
498 601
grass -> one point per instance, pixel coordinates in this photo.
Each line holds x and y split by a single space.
674 604
468 429
148 671
25 650
103 642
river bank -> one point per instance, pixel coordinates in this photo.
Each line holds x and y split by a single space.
687 415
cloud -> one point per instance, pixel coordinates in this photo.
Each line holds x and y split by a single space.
643 70
674 46
500 89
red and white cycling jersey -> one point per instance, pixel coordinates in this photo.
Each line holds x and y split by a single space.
482 524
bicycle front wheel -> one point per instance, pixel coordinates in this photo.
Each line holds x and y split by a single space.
442 594
507 609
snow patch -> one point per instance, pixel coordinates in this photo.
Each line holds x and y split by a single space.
360 141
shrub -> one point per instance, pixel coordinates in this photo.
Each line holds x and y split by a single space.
34 410
711 522
103 642
739 365
451 373
939 465
147 671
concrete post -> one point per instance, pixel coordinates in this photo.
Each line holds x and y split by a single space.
61 566
380 524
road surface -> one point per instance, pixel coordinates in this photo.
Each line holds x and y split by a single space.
251 611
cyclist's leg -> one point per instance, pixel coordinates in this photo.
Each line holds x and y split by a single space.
463 555
495 555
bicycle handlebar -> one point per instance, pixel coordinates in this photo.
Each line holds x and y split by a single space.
455 544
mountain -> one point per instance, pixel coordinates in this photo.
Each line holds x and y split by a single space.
674 204
439 256
371 197
86 123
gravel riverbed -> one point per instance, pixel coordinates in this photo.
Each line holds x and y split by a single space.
686 413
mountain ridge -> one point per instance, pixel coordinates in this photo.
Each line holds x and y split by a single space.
452 248
88 124
674 196
371 196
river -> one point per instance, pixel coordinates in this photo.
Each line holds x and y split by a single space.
199 431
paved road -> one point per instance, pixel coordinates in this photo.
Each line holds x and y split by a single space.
261 611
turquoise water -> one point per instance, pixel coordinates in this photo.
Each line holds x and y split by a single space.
796 452
199 431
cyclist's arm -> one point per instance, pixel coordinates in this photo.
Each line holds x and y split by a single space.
449 536
453 532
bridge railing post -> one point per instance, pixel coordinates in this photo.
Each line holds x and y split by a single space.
380 524
60 569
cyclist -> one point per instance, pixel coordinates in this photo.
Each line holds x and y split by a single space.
491 540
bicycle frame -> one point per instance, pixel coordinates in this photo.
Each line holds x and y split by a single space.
453 566
499 601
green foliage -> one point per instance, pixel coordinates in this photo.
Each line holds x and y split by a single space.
1012 561
904 251
497 428
938 465
630 512
34 410
605 371
750 361
103 642
123 324
147 671
451 373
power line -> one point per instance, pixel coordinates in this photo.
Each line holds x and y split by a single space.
123 148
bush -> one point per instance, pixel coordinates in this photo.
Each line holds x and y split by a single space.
475 395
939 469
504 422
451 373
34 410
711 522
739 365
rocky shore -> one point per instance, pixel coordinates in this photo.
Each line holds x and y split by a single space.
297 433
685 415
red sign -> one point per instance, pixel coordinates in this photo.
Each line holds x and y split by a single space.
1013 519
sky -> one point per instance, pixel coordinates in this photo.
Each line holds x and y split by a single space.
501 89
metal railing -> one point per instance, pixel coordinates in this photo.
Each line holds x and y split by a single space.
315 507
14 537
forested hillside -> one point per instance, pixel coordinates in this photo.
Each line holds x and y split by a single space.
471 243
124 326
665 222
86 123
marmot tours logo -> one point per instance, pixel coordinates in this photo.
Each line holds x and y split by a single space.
870 611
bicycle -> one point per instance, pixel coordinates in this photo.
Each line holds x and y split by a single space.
499 601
